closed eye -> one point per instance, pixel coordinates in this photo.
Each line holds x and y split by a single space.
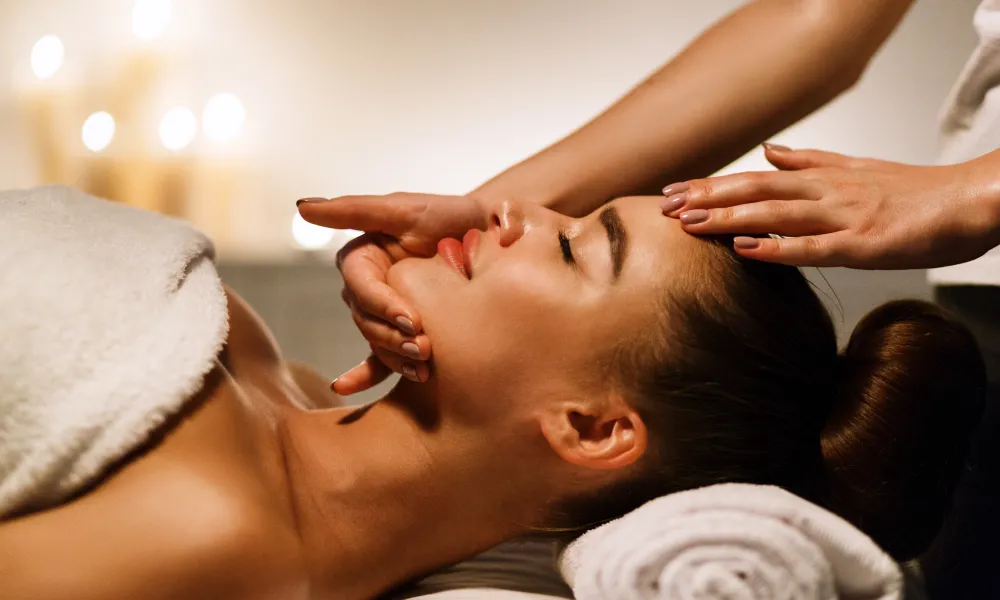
567 251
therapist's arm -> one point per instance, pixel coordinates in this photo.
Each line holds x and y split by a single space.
752 74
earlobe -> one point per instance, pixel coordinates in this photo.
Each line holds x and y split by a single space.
606 438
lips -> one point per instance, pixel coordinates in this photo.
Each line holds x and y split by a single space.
469 243
451 251
458 254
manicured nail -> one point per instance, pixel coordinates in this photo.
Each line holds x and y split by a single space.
693 217
672 203
410 372
333 383
676 188
776 147
411 350
745 243
311 200
406 326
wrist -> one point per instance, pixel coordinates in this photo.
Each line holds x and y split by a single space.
986 179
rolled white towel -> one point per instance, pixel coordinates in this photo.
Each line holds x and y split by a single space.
729 542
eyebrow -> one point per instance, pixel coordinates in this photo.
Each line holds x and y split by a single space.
617 238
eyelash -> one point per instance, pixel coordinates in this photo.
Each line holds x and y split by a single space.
567 250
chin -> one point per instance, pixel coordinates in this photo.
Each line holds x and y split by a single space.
433 288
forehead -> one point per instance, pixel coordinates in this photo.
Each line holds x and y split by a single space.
660 251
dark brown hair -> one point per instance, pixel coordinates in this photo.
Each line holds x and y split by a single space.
742 382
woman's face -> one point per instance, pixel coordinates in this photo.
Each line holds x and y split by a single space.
525 312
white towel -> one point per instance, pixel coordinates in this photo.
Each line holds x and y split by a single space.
110 317
729 542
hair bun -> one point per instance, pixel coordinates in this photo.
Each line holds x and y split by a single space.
911 388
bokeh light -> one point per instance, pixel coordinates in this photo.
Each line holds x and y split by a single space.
178 128
98 131
47 56
150 18
309 236
223 118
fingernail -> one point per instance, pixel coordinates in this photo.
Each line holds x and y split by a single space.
311 200
333 383
410 372
693 217
776 147
406 325
672 203
745 243
411 350
676 188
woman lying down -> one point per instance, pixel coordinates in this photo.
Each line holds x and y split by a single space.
581 367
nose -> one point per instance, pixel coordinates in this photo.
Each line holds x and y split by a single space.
507 222
512 220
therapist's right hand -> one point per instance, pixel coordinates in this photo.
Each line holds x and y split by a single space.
396 226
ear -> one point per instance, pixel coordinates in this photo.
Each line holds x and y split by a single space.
600 435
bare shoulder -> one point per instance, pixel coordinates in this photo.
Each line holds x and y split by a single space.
180 538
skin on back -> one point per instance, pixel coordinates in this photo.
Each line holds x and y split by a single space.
201 512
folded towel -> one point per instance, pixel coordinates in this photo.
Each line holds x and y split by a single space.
729 541
110 317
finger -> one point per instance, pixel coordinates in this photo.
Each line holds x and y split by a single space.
783 217
741 188
364 213
412 370
810 251
417 220
382 335
366 375
795 160
364 272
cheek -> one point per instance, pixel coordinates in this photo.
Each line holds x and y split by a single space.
508 337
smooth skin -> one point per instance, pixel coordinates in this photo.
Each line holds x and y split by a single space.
760 69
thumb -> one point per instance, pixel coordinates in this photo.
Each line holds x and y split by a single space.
787 159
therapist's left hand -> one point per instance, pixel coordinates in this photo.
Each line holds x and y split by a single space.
848 212
397 226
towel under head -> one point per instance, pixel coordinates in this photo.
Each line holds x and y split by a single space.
110 316
730 541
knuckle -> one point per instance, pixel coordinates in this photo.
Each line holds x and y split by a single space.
775 210
700 189
814 248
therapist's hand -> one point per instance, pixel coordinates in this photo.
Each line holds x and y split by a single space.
847 212
397 226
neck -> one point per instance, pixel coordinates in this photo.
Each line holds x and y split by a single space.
396 491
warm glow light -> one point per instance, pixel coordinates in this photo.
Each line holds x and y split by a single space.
309 236
150 18
178 128
47 56
348 234
98 131
223 118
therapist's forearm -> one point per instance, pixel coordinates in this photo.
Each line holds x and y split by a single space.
752 74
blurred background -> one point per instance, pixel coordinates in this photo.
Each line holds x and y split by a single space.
224 112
